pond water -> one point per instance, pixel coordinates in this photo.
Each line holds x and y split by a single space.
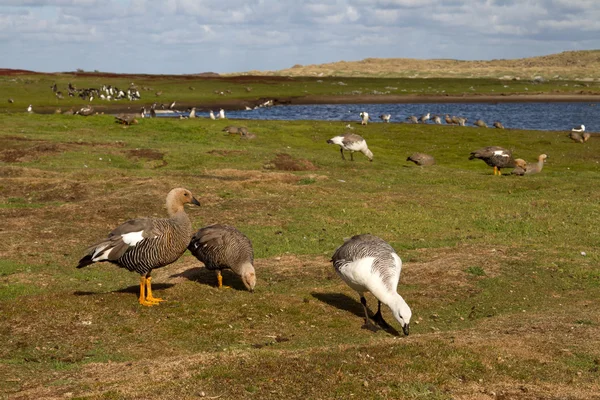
538 116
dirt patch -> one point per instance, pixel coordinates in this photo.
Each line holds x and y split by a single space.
14 151
285 162
148 154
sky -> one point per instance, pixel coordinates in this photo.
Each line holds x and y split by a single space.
194 36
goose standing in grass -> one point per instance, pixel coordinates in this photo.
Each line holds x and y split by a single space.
223 246
144 244
369 264
579 129
421 159
10 100
480 123
192 113
211 114
495 156
498 125
385 117
436 119
448 119
364 118
537 167
425 118
30 109
351 142
222 114
412 119
576 137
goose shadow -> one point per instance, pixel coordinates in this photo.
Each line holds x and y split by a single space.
130 289
346 303
208 277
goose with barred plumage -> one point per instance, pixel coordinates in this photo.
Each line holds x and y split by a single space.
421 159
144 244
369 264
494 156
223 246
351 142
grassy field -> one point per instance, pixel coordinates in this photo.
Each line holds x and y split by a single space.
501 272
238 91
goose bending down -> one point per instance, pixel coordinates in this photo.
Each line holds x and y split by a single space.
437 119
421 159
520 166
498 125
480 123
223 246
368 264
412 119
577 137
144 244
580 129
385 117
495 156
425 118
351 142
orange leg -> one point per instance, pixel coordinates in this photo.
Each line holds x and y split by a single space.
220 281
149 297
142 299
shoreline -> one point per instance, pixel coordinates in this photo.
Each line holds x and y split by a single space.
240 104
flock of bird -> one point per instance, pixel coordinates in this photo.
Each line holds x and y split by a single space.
365 262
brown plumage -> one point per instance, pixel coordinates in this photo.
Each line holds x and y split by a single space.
494 156
421 159
576 137
480 123
448 120
126 119
223 246
537 167
144 244
235 130
520 166
498 125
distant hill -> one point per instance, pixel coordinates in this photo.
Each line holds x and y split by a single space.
583 65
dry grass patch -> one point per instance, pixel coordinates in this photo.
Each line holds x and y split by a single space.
286 162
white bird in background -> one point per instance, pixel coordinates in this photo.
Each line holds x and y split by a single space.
364 116
30 109
222 114
212 115
385 117
581 128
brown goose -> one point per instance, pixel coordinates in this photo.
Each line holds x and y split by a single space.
498 125
351 142
235 130
144 244
576 137
480 123
412 119
421 159
223 246
494 156
520 167
448 120
537 167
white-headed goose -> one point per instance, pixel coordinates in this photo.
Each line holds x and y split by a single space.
351 142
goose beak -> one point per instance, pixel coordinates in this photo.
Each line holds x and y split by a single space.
194 201
406 329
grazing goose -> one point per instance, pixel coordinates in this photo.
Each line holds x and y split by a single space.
537 167
586 136
498 125
234 130
576 137
455 120
369 264
412 119
351 142
211 114
223 246
86 111
222 114
10 100
480 123
364 118
461 121
385 117
448 120
144 244
580 129
436 119
421 159
520 167
494 156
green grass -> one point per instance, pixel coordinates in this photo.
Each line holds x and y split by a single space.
501 295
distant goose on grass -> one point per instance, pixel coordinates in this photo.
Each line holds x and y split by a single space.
10 100
86 111
364 118
480 123
421 159
520 167
448 120
144 244
412 119
536 167
172 105
385 117
351 142
211 114
580 129
436 119
576 137
498 125
461 121
495 156
30 109
369 264
221 114
222 246
193 113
